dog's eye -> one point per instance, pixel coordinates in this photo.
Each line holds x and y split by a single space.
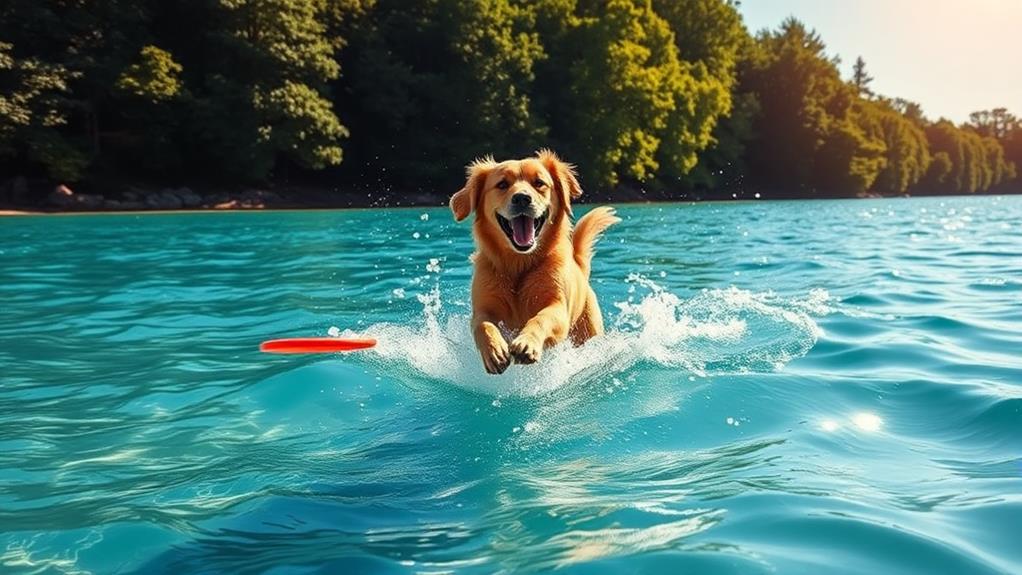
503 184
538 183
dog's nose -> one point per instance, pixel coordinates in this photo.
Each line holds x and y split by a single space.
521 200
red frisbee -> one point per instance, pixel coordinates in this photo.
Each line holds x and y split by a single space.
315 344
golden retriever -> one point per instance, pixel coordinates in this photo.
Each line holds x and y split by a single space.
531 268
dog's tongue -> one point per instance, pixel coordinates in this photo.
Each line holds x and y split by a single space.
523 230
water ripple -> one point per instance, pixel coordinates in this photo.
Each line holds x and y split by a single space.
784 387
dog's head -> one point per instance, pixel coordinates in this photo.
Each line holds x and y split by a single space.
519 200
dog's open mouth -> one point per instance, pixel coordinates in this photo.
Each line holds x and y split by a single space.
522 230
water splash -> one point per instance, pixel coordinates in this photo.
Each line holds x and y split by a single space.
718 331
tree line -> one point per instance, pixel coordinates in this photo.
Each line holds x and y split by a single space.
671 96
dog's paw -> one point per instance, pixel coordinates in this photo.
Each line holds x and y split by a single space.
496 357
526 349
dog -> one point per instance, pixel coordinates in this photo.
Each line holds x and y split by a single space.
531 267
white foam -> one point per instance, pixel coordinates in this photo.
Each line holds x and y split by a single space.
717 331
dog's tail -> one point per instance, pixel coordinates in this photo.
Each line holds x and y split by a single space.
587 231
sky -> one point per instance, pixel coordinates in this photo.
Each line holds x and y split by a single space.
951 56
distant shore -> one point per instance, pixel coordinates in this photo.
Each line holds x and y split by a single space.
15 211
19 196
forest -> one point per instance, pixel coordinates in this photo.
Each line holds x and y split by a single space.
662 99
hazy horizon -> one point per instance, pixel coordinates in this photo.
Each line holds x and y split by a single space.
949 57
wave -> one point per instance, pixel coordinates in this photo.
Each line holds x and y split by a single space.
717 331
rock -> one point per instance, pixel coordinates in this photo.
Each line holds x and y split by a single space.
189 199
216 199
132 205
61 197
171 202
111 205
164 200
227 205
88 201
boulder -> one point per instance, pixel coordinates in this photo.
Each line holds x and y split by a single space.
61 197
164 200
216 199
256 196
88 201
189 199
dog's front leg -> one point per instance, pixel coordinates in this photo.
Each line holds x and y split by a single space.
548 327
491 344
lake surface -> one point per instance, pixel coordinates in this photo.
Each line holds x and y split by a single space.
789 387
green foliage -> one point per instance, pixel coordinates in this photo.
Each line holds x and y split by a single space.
267 94
806 136
905 149
648 80
997 123
664 94
434 84
723 165
977 163
62 159
709 36
849 161
938 175
33 110
624 84
1012 144
156 76
822 136
298 120
1002 131
861 79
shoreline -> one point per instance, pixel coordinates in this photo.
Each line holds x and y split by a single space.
20 212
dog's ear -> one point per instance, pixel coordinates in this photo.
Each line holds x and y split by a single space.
565 178
466 199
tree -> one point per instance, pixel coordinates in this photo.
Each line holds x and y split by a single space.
264 95
1012 144
861 79
906 152
1006 129
975 163
155 76
997 123
710 37
70 52
432 85
631 80
807 140
648 80
938 178
912 111
33 112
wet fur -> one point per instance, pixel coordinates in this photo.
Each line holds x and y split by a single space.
543 296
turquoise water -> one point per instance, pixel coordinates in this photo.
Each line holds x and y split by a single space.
796 387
